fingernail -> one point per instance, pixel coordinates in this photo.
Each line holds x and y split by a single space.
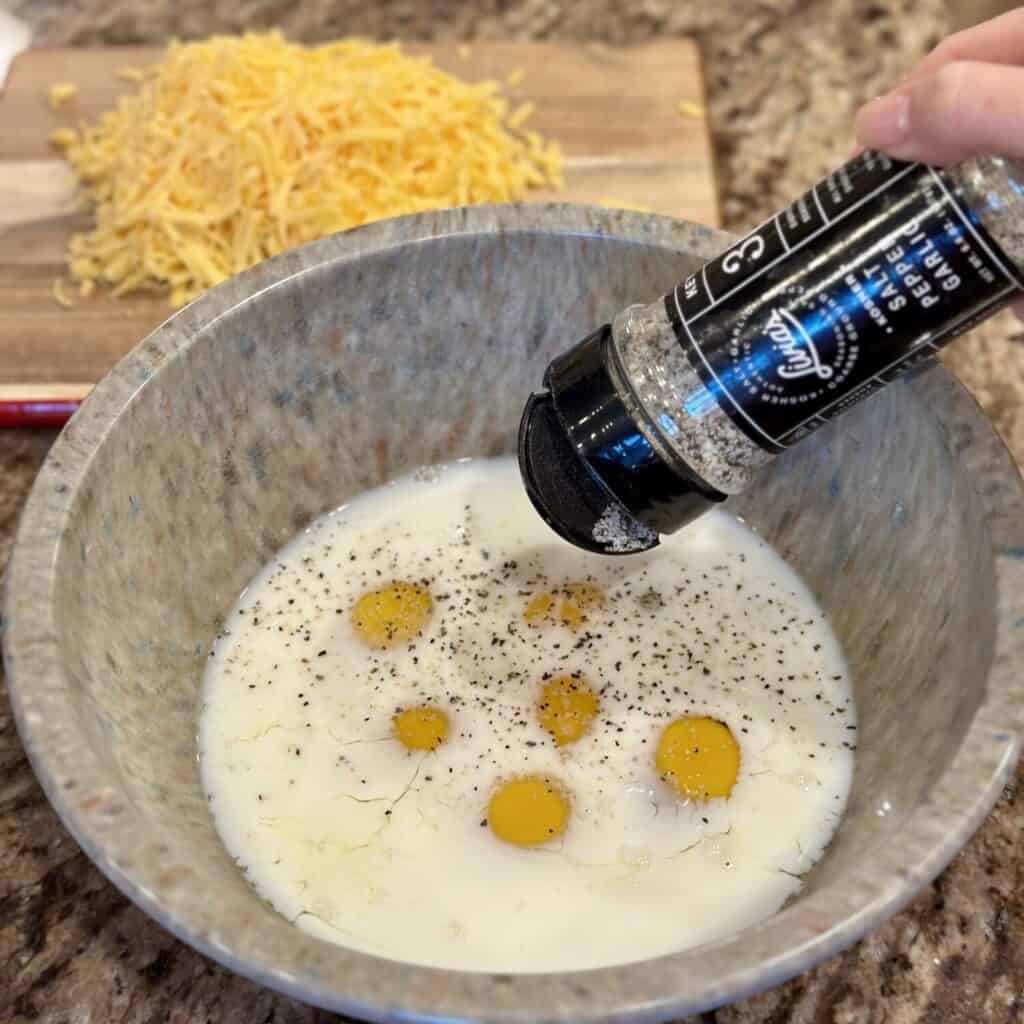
884 122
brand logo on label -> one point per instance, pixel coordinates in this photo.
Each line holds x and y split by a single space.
796 346
798 351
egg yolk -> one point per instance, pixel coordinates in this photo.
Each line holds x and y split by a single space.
699 758
528 811
572 601
577 599
566 708
538 608
423 728
391 615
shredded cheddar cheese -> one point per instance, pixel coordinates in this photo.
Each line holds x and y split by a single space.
63 137
624 204
60 294
687 108
60 94
238 148
521 115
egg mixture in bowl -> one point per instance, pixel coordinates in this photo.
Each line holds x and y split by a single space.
433 731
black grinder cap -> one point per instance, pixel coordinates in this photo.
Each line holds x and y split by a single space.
588 468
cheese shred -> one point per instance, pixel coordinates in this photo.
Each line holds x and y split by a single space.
60 94
623 204
238 148
62 138
60 294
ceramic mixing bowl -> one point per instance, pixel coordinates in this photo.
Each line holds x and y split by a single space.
328 370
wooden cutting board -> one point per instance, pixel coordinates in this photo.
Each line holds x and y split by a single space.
616 112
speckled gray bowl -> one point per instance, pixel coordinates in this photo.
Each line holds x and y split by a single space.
325 371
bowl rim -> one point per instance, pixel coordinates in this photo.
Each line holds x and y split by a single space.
115 835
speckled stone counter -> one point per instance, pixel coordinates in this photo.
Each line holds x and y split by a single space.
784 78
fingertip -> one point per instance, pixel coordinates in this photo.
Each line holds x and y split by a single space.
884 123
965 108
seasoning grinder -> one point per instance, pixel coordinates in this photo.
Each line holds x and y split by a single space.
672 407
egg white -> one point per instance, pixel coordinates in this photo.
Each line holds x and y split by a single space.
385 850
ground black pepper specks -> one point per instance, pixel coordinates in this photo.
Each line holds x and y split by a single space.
306 779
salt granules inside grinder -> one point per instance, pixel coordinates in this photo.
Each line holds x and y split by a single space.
675 405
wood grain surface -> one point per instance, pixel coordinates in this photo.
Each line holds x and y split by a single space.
616 113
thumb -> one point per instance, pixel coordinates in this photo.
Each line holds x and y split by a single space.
963 109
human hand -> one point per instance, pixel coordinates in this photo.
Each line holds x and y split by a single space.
965 98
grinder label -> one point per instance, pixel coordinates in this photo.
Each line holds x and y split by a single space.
807 314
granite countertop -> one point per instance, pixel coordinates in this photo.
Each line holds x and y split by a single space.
784 78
